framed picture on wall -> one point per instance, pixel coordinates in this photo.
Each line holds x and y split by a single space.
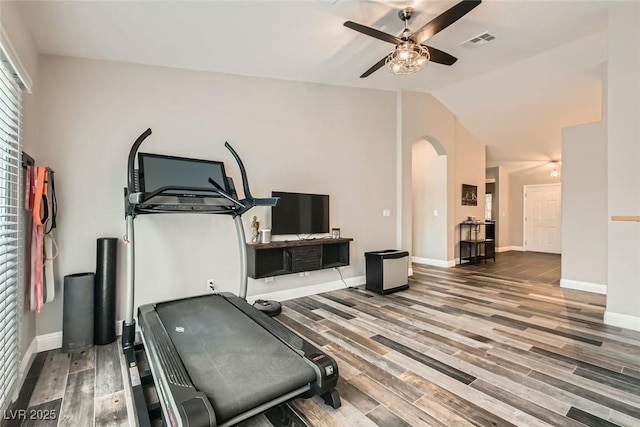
469 195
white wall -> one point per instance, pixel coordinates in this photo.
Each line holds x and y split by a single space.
424 117
469 169
291 136
503 221
623 89
584 206
491 174
429 195
500 208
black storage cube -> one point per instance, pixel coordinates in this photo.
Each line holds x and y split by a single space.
387 270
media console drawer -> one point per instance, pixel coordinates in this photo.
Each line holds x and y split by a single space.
278 258
305 258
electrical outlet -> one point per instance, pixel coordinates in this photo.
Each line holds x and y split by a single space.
211 285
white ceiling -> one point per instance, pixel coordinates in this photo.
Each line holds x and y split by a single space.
541 73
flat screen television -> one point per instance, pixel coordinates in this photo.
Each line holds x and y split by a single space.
300 213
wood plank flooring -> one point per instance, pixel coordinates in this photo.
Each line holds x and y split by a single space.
460 347
533 266
78 389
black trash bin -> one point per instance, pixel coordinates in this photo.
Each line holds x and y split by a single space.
387 270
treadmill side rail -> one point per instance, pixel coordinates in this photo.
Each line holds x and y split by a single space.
183 404
140 414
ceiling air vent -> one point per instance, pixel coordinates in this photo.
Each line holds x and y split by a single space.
478 40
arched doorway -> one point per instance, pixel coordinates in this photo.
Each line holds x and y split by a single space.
429 203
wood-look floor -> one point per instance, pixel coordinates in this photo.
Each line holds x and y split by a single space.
533 266
77 389
459 348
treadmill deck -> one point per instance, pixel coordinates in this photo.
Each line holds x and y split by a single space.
236 363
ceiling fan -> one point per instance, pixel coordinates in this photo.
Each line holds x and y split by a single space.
411 54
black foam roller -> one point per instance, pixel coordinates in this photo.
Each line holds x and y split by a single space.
105 291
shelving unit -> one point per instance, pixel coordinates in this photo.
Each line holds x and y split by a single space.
473 247
295 256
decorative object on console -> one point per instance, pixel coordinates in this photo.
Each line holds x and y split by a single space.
335 233
265 235
255 225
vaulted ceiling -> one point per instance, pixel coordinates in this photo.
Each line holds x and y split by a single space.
542 72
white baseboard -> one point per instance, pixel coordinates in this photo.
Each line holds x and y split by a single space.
48 341
53 340
119 327
510 248
30 354
433 262
305 291
583 286
25 365
622 320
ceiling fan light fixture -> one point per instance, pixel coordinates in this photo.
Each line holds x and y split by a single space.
408 57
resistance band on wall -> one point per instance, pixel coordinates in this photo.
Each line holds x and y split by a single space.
41 200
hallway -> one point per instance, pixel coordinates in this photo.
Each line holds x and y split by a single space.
530 266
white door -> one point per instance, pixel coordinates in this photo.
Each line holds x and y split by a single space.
542 218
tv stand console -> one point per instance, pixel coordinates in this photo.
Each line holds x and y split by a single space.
296 256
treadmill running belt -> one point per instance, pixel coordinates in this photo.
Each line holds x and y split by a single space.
234 361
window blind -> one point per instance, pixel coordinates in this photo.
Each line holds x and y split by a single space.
11 233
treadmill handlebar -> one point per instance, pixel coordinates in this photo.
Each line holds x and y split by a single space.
132 157
241 205
220 191
243 171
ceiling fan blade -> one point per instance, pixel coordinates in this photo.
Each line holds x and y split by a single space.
375 68
372 32
440 57
443 20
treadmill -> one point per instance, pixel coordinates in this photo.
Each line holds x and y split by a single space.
214 360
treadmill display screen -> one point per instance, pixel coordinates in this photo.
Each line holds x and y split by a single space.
157 171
